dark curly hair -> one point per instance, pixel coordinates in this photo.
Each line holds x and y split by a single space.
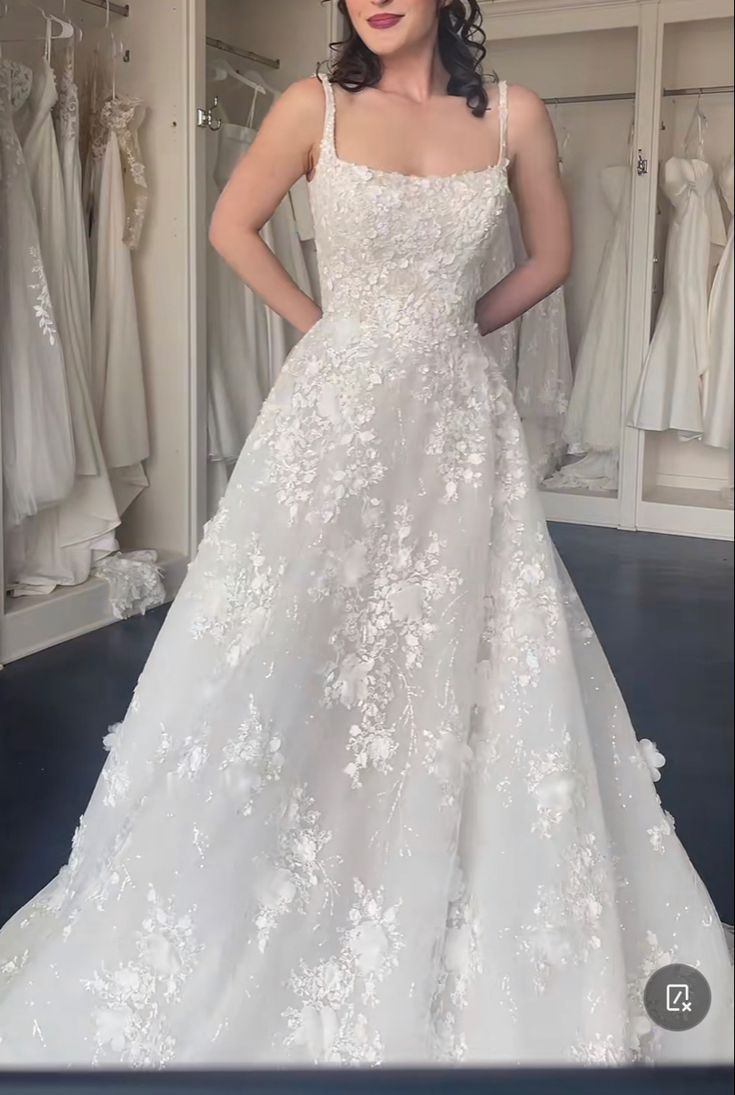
461 44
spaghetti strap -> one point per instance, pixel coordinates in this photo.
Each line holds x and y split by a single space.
327 142
503 120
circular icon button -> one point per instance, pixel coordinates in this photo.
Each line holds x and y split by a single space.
677 997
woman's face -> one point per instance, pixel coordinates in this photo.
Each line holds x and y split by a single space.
392 26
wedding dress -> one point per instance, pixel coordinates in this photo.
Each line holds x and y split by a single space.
66 119
592 425
59 545
502 345
718 380
248 341
119 198
668 396
376 798
37 440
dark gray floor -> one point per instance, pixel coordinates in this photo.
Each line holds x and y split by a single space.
662 606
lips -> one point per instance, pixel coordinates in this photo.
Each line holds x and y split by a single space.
384 22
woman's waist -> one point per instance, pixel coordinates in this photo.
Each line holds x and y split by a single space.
402 323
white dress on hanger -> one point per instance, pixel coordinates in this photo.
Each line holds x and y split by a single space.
718 379
38 458
59 545
377 798
592 425
248 341
669 396
66 119
119 201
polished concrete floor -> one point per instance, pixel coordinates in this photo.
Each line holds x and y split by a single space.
662 606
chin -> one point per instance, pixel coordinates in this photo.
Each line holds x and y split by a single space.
377 44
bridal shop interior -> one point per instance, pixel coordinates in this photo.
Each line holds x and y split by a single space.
119 438
623 379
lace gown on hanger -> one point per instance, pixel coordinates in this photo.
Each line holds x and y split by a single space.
118 192
60 545
377 798
37 439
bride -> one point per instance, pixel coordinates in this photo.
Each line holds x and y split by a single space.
376 798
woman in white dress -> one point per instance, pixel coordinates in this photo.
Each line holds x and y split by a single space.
377 798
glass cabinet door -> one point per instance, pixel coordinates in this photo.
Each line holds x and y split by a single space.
584 64
682 403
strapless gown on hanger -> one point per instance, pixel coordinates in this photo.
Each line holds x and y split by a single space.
376 798
718 380
669 394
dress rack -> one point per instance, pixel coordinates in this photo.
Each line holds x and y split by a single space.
115 9
237 51
628 96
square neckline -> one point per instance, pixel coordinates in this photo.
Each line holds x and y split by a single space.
328 144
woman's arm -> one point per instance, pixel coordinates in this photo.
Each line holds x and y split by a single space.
543 212
280 153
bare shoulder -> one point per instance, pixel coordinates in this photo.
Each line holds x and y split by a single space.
525 108
530 129
300 108
304 97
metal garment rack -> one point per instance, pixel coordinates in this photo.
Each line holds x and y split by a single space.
115 9
629 96
236 51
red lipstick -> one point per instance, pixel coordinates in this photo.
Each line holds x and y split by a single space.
385 21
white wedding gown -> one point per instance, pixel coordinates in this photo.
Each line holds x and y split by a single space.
38 458
118 194
59 545
718 379
377 798
669 395
592 425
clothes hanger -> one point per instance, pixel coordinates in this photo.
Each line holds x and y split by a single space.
563 135
699 118
77 28
117 49
256 77
66 30
223 70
